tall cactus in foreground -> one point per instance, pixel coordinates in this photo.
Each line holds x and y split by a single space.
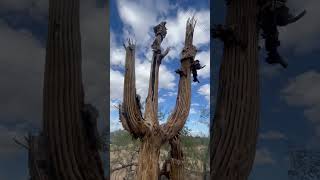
235 126
146 127
69 125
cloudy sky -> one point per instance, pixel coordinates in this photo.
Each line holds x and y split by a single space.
23 29
135 19
290 103
290 100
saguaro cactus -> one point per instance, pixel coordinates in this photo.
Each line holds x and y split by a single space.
236 120
71 154
146 127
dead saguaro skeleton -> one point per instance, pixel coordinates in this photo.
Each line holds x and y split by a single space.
235 126
67 147
146 127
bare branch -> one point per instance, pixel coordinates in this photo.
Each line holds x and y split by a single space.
21 144
124 166
165 52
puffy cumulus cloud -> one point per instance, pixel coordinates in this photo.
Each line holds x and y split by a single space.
193 111
205 91
303 91
166 79
22 62
142 78
263 157
115 124
94 43
272 135
36 8
26 68
177 28
171 93
117 53
161 100
116 85
303 35
140 16
195 104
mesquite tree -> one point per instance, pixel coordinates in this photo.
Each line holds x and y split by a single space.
146 126
67 148
237 111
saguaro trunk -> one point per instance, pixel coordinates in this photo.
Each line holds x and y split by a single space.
173 167
70 156
146 127
148 162
177 160
236 117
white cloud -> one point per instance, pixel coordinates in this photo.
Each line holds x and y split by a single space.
166 80
161 100
205 91
115 124
263 157
303 35
117 57
273 135
193 111
140 16
22 69
177 28
36 8
303 91
195 104
95 50
171 93
117 53
116 85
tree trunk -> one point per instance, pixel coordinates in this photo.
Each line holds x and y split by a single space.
70 156
177 160
237 113
148 161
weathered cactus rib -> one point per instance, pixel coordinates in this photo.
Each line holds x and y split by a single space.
180 113
130 114
147 128
68 147
237 106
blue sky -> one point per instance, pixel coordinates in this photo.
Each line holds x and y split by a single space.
290 100
290 103
135 19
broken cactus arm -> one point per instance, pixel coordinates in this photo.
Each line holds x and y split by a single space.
180 113
130 113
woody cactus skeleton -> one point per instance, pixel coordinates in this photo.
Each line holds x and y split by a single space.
146 127
67 148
